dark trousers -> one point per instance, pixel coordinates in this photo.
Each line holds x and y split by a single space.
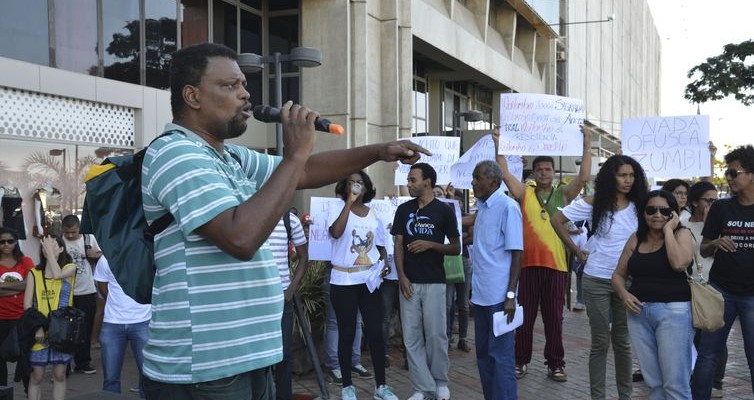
347 300
389 290
254 385
88 304
5 327
545 287
282 370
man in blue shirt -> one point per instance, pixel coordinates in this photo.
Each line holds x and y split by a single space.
498 245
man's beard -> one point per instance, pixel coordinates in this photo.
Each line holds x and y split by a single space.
234 128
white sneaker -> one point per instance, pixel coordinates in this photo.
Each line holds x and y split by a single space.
348 393
384 392
443 393
417 396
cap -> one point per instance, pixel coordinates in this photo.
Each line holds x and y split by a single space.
306 219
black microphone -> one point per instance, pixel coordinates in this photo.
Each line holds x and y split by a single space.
272 114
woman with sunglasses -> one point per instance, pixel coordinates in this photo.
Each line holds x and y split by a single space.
658 302
49 287
14 267
358 249
728 236
611 212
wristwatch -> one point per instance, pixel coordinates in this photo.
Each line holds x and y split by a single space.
510 295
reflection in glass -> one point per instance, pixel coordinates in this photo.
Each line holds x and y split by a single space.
283 5
251 36
24 32
194 22
254 87
76 35
290 89
225 27
284 37
161 40
254 3
121 39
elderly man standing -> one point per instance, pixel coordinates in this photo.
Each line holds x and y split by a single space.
544 267
498 244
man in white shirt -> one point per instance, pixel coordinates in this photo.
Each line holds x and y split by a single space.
82 248
125 321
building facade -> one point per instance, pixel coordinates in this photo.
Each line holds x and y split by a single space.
85 79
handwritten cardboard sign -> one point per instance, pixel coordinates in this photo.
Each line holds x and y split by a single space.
540 124
483 149
675 147
445 151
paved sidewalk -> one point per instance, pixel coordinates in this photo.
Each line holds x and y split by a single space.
464 378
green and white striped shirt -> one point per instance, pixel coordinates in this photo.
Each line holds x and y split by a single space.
213 316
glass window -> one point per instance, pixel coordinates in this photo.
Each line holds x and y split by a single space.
76 36
254 87
254 3
284 37
290 90
25 31
161 40
277 5
251 33
120 26
421 109
225 28
194 22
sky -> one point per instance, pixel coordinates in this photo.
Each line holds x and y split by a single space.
691 31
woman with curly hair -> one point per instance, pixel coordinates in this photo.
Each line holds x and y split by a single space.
611 212
358 249
728 236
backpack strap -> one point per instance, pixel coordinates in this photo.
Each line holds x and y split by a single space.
287 223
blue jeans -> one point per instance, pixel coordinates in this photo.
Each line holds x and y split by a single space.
711 344
114 338
495 356
331 332
662 336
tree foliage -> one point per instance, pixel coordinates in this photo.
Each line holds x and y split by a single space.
724 75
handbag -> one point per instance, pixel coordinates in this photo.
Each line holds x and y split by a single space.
454 269
66 331
707 304
10 351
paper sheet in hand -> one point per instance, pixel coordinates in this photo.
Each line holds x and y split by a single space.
374 276
500 323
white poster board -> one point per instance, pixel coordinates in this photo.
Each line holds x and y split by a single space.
540 124
445 151
320 247
676 147
483 149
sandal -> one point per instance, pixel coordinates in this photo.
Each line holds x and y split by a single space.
557 374
521 370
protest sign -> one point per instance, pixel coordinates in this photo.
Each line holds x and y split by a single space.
540 124
445 151
675 147
320 247
483 149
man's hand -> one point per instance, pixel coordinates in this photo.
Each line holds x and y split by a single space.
418 246
288 293
406 287
404 151
725 244
298 130
509 307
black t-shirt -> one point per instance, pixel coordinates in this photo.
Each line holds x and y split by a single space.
733 271
433 223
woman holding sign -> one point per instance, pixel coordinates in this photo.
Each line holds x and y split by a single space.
619 186
358 253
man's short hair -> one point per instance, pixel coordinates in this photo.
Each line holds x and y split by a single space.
540 159
187 66
490 169
744 155
427 172
71 221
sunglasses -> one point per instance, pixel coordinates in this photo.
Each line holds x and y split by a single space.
7 241
733 173
664 211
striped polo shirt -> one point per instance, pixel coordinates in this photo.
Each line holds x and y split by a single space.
213 316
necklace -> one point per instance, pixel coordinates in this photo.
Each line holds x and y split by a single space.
543 213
